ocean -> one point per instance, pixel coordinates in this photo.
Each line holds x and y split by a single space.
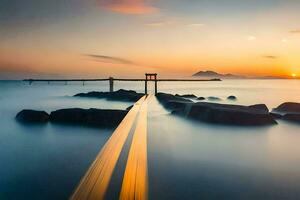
186 160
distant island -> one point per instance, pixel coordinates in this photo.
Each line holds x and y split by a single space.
212 74
216 75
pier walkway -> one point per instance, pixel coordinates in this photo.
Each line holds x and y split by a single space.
95 183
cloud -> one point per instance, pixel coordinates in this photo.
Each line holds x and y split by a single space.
297 31
270 57
110 59
128 6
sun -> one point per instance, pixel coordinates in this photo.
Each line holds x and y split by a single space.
294 75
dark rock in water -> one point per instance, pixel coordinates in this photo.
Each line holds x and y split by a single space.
292 117
254 115
120 95
276 115
231 97
230 114
190 96
260 107
288 107
88 117
201 98
32 116
169 100
214 98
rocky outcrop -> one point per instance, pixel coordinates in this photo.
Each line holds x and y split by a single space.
288 107
254 115
289 111
75 116
230 114
32 116
88 117
120 95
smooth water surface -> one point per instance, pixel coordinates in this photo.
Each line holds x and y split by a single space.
186 160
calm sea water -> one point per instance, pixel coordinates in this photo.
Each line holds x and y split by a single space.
186 160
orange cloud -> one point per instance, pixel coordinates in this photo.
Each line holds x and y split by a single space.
127 6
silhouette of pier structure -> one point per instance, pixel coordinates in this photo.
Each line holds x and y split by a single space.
149 77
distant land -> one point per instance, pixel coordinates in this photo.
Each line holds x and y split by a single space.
213 74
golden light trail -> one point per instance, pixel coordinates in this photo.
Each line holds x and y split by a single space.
135 181
95 182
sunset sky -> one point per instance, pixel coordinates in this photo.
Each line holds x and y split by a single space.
126 38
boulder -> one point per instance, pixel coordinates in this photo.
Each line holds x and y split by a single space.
292 117
230 114
288 107
120 95
201 98
231 97
32 116
88 117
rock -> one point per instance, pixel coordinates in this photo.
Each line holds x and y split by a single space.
292 117
214 98
32 116
120 95
189 96
260 107
276 115
288 107
169 100
230 114
231 97
88 117
201 98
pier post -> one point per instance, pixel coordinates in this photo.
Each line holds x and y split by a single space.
155 84
146 86
111 84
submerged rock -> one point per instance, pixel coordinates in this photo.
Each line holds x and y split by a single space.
276 115
214 98
120 95
190 96
88 117
288 107
231 97
171 101
32 116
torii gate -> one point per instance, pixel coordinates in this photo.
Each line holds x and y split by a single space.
150 77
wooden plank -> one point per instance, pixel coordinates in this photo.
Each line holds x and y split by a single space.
95 182
135 181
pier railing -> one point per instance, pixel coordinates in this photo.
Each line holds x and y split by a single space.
111 80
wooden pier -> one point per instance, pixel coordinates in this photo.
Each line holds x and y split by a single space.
111 80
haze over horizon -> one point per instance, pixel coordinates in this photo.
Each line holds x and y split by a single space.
125 38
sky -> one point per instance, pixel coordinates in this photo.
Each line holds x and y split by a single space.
126 38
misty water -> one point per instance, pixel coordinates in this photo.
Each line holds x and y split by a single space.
186 160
